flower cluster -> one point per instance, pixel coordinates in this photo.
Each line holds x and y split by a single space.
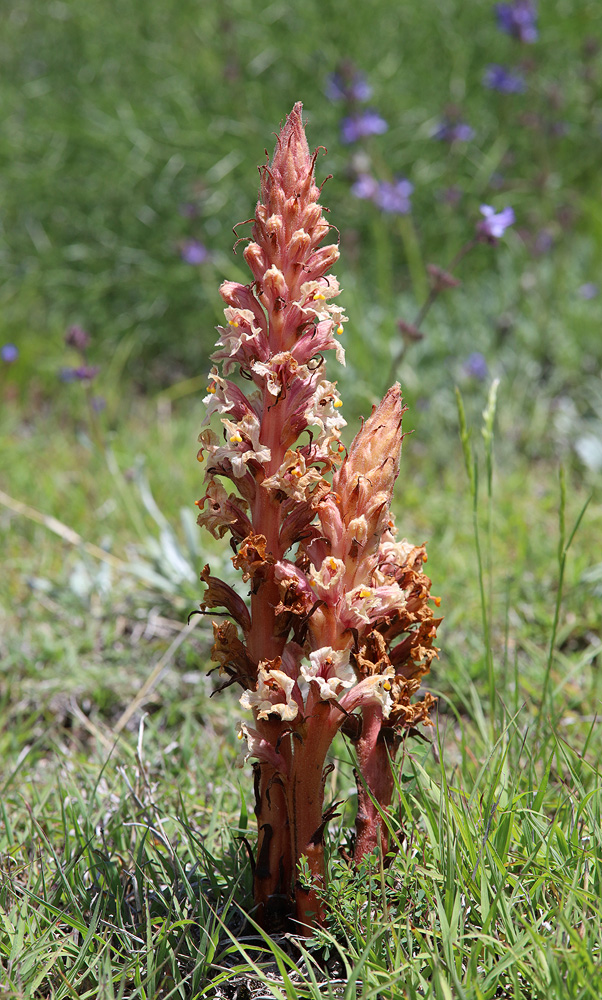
507 81
453 131
346 84
79 340
518 19
393 197
339 626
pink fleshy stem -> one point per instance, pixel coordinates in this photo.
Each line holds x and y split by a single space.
375 755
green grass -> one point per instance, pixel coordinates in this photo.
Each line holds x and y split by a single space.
124 824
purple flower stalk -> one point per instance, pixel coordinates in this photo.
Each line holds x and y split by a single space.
494 224
453 132
348 85
361 126
338 630
518 19
506 81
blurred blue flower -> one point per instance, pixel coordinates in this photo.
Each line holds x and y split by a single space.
394 197
476 366
189 210
588 291
518 19
9 353
543 242
83 373
193 252
494 224
98 403
362 125
451 195
366 186
348 86
506 81
453 132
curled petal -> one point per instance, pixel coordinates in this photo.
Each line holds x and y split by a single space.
374 690
242 297
221 595
258 747
220 512
294 479
330 670
240 435
273 696
327 583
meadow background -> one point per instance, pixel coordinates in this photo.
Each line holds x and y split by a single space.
131 137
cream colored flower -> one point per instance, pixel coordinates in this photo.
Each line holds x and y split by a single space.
273 696
330 669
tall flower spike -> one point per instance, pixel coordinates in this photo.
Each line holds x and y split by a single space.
329 589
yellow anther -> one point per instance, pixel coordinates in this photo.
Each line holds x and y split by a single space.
437 601
199 456
365 592
236 439
313 583
424 557
339 329
197 503
320 296
341 448
337 403
211 388
296 472
331 563
240 735
232 322
387 685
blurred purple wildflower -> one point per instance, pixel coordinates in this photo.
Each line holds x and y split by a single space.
366 186
98 403
394 196
9 353
451 195
494 224
77 337
518 19
476 366
362 125
588 291
543 242
189 210
348 86
506 81
83 373
453 132
193 252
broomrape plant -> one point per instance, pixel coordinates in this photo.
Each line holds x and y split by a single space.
339 628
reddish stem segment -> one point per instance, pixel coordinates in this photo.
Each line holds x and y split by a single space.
375 755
